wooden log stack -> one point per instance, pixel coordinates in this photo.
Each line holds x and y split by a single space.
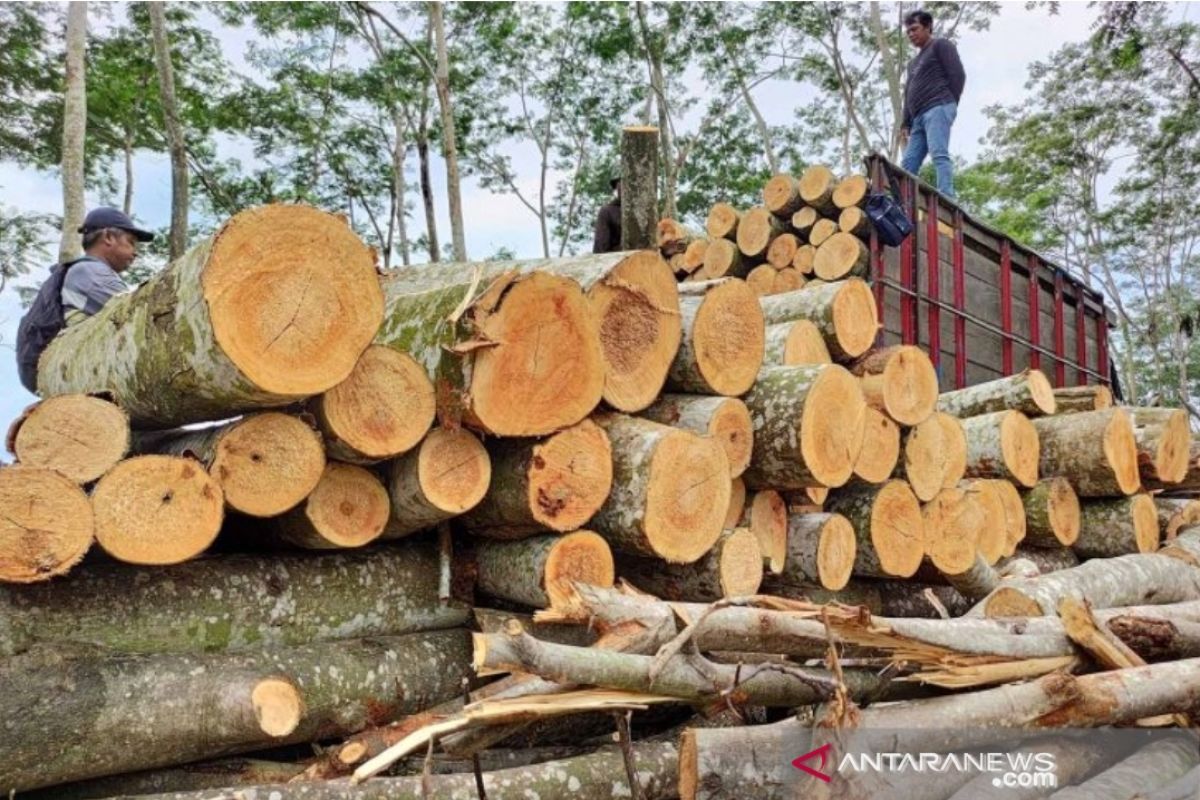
712 480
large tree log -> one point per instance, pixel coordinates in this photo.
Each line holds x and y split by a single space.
1073 399
788 280
446 476
1003 444
670 490
725 419
781 196
1175 513
855 222
1117 527
140 712
693 257
899 381
766 515
228 772
851 191
791 344
822 229
808 427
381 410
891 598
1105 583
880 448
157 510
1154 765
252 317
954 443
536 571
839 256
844 311
234 602
976 581
782 251
817 185
264 463
756 230
1028 391
1164 439
554 484
349 508
723 339
1183 788
723 259
821 548
732 568
888 527
952 524
722 222
737 503
79 436
46 524
923 457
1052 514
1094 450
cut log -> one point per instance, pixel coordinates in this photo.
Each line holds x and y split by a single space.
781 196
880 448
855 221
693 256
1073 399
954 441
1184 787
554 484
252 317
888 528
952 524
722 222
821 232
891 598
490 620
1046 559
265 463
1003 444
1028 391
382 410
1163 442
233 602
227 772
157 510
1117 527
1094 450
447 475
900 381
732 568
821 549
78 436
976 581
782 251
536 572
723 259
839 256
349 508
1052 514
792 344
1175 513
725 419
140 712
737 503
523 357
673 237
766 516
756 230
923 458
1154 765
992 538
788 280
803 221
803 261
1104 583
670 490
761 280
844 312
1014 516
808 427
46 524
851 191
723 339
817 184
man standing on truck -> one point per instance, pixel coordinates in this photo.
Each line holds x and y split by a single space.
931 94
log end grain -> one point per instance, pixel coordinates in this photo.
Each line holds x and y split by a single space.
954 448
579 557
761 280
804 344
1171 458
755 232
1019 447
767 518
831 426
731 426
570 476
1120 451
722 221
1014 516
804 219
880 449
1063 511
953 521
80 437
737 503
1041 393
637 309
897 529
855 317
923 460
46 524
854 220
268 463
836 550
348 508
816 187
157 510
688 496
383 409
781 195
802 262
721 258
277 705
851 191
782 250
547 369
839 254
740 564
278 283
788 280
821 232
729 337
693 256
993 531
1008 602
906 389
453 469
1145 523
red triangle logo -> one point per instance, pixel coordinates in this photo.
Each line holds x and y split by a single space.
821 752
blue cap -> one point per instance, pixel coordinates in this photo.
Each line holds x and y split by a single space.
105 217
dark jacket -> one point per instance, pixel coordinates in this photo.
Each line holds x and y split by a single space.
935 77
608 228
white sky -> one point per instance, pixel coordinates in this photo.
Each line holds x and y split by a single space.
996 63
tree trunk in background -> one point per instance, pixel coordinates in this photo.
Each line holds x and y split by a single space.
177 239
400 187
431 231
449 140
127 146
658 90
892 71
74 130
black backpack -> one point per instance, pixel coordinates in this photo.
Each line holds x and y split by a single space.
42 322
885 212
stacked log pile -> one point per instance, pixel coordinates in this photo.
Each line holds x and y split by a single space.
455 524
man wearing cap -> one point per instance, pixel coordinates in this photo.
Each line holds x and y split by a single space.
608 223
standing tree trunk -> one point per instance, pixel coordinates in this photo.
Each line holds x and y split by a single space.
431 231
127 147
449 139
177 239
74 130
639 187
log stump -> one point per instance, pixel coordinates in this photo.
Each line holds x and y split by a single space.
952 522
1163 440
900 381
804 259
817 184
821 549
855 221
851 192
954 443
992 538
723 259
78 436
756 230
722 222
46 524
781 196
782 251
923 457
761 280
803 221
821 232
447 475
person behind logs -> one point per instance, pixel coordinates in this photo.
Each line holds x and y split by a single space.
608 222
79 288
931 94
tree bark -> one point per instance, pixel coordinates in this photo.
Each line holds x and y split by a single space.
1164 440
1052 514
1175 513
1004 445
791 344
74 130
639 187
732 568
449 136
899 381
177 238
235 602
1182 788
533 572
888 527
348 508
808 427
78 436
447 475
228 772
1156 764
844 312
46 525
821 548
723 339
1073 399
431 231
217 333
1046 559
1117 527
1094 450
1028 391
725 419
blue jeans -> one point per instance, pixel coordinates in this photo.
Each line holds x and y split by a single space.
930 135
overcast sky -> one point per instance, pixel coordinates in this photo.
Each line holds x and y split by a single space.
996 63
